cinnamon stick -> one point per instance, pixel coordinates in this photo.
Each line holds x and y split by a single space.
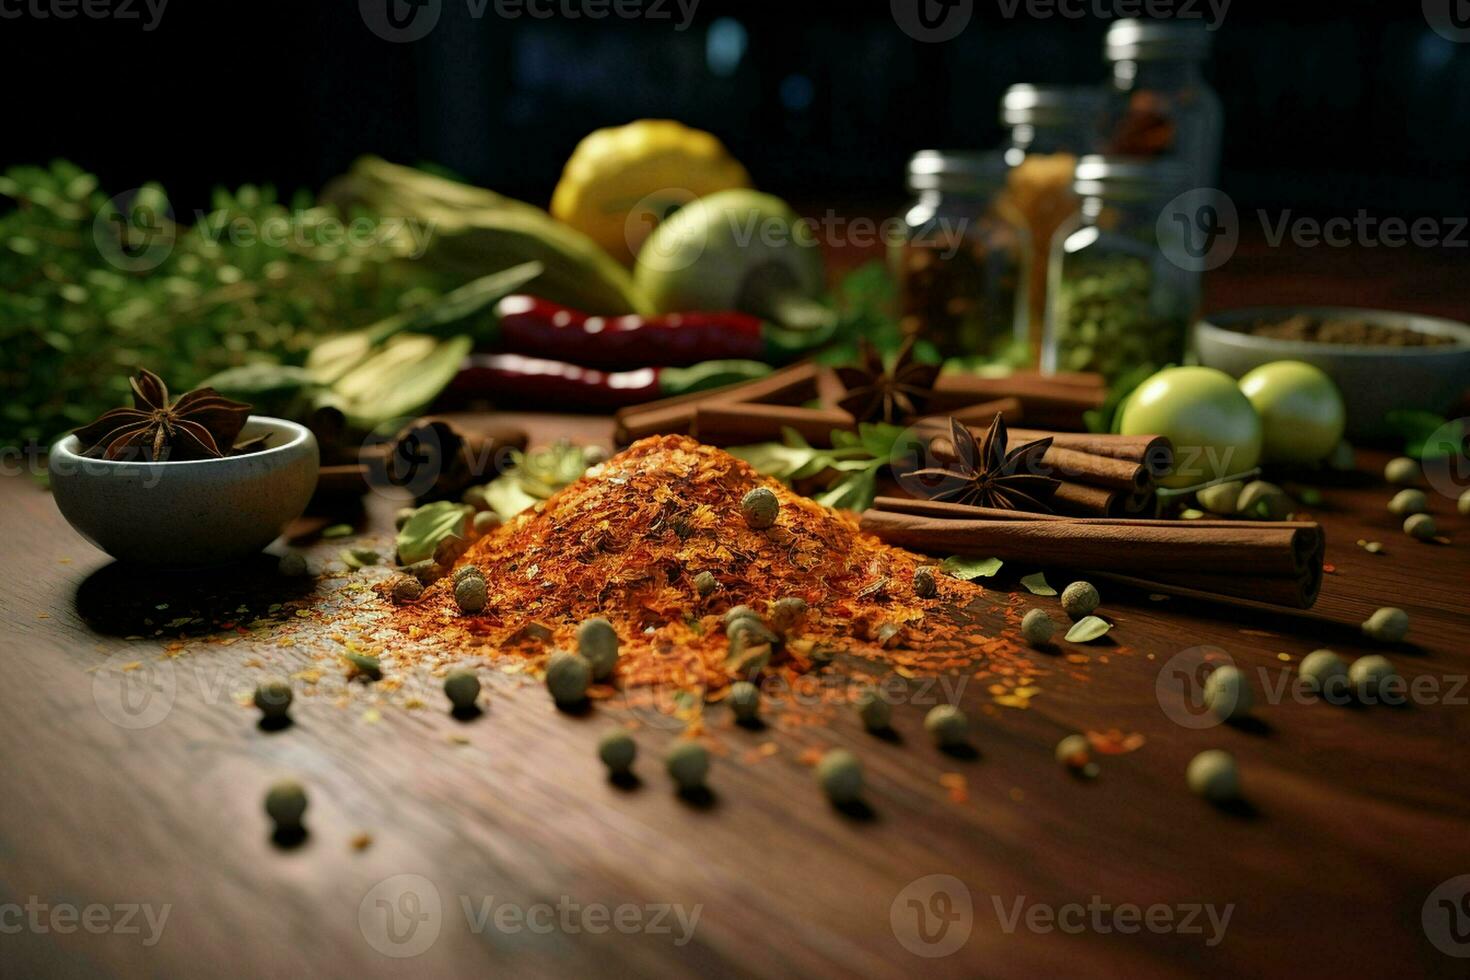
675 415
984 413
742 423
1047 402
940 508
1071 466
1154 452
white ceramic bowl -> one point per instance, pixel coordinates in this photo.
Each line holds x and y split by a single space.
191 513
1373 380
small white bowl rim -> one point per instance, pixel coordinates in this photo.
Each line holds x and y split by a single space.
1222 321
65 448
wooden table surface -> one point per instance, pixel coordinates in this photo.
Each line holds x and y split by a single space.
513 852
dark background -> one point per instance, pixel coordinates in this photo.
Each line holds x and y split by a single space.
1328 109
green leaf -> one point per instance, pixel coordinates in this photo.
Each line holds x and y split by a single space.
1037 584
1088 629
429 525
1420 429
969 569
854 491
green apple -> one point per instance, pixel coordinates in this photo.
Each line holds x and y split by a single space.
1301 411
1215 431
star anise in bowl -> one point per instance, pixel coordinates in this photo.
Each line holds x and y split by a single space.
202 424
984 474
879 393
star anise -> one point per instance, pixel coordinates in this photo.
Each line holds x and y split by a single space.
877 393
201 425
985 475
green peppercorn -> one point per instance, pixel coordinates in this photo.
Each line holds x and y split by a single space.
1214 775
749 631
735 612
485 522
1228 692
1324 672
787 614
426 571
840 775
617 750
705 584
1079 599
745 701
273 697
1368 676
285 804
406 589
465 571
401 517
688 765
948 726
1074 751
1402 472
1263 501
874 710
1222 498
1037 628
926 586
365 666
597 641
462 688
568 676
292 565
1421 526
1463 504
1388 625
470 593
760 508
1407 502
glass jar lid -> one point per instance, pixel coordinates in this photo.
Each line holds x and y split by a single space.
956 171
1130 178
1051 105
1156 40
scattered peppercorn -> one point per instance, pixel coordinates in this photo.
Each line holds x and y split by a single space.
427 571
874 710
462 688
1407 502
1324 672
1463 504
1389 625
1222 498
465 571
688 765
406 589
925 584
1228 692
1263 501
705 584
597 641
485 522
1037 628
470 594
948 726
1214 775
292 565
617 750
735 612
1079 599
760 507
787 614
365 666
1421 527
285 803
1402 472
567 677
840 775
1074 751
273 697
745 701
1368 676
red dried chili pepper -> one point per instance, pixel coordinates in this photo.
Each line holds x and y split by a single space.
514 381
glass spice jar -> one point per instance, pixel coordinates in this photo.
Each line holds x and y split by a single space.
1115 301
962 260
1162 105
1051 128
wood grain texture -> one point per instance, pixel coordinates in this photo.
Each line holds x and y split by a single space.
1355 815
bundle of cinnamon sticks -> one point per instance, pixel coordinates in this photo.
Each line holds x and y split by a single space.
1274 563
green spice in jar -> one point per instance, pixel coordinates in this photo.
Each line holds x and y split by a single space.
745 702
840 775
598 642
471 594
1324 672
1228 692
1037 628
462 688
1407 502
1214 775
1421 526
688 765
406 589
705 584
926 586
568 675
948 726
874 710
1371 677
1388 625
787 614
292 565
1079 599
273 698
285 804
760 508
1104 318
1401 472
617 750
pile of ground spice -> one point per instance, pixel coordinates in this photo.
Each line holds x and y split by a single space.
627 541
